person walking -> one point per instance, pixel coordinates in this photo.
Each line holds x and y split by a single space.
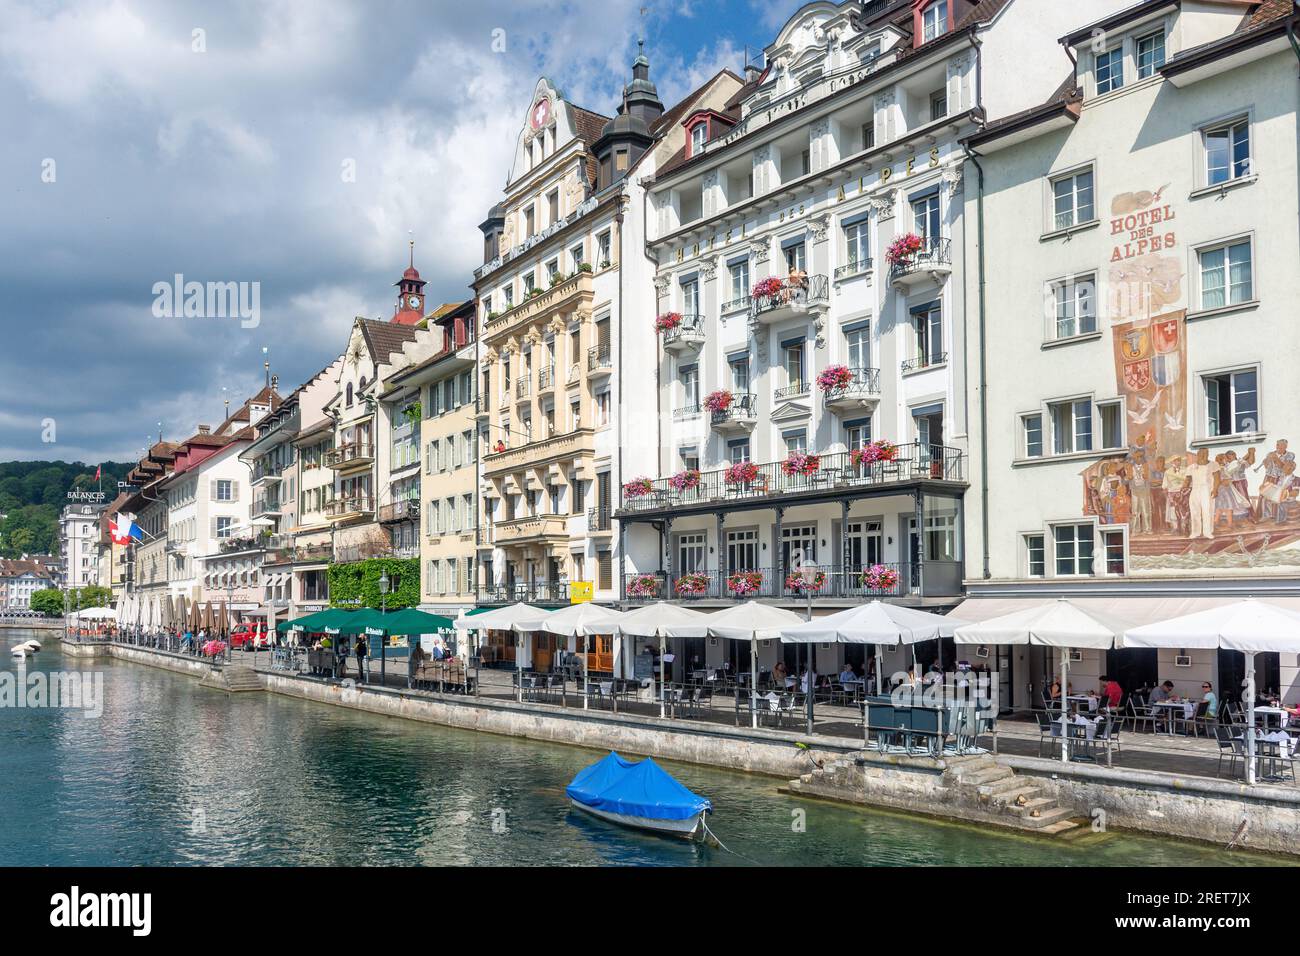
361 650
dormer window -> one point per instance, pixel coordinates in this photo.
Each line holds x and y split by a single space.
934 20
699 136
1150 54
1108 70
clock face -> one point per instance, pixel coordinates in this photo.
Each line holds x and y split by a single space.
413 301
541 113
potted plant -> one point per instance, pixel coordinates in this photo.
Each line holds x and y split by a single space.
685 480
643 585
766 288
558 278
741 473
878 577
835 377
795 582
638 488
584 267
745 583
904 249
801 464
692 584
719 401
668 321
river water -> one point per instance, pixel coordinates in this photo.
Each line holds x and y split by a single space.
172 773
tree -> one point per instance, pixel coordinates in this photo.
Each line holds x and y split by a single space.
48 602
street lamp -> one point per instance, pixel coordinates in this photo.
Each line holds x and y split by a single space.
383 609
808 575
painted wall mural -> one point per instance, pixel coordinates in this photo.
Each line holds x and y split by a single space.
1187 508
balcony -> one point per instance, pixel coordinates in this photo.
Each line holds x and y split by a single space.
346 508
862 392
523 389
687 336
599 521
405 510
792 299
853 269
569 295
835 474
266 475
740 416
687 412
539 592
537 529
923 362
482 408
932 263
794 390
924 579
737 305
266 508
546 378
599 361
579 442
349 456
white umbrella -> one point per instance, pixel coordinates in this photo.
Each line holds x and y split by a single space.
751 622
96 614
503 619
1053 624
1248 626
655 620
576 620
876 623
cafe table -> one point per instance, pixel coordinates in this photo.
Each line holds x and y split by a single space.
1171 709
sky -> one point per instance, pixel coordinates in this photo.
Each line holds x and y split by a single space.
291 146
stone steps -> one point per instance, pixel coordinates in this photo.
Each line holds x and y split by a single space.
233 679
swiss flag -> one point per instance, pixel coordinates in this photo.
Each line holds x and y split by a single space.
98 471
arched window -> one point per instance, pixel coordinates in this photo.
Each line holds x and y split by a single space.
348 401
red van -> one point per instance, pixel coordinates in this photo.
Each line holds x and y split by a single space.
248 636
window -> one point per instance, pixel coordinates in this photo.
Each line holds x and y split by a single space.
224 490
857 252
739 374
934 21
1071 426
553 207
792 360
1226 275
857 346
1073 549
1035 556
690 377
1232 403
602 249
869 135
699 135
1076 307
530 282
801 539
1108 70
1072 200
602 408
1150 54
740 281
796 441
530 222
224 527
605 571
742 550
552 270
691 297
927 327
795 257
577 256
1112 424
938 105
925 215
1032 428
689 457
1227 152
857 434
805 162
690 553
738 450
1112 546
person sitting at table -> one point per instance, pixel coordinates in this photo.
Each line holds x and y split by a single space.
934 675
848 675
1163 693
1211 701
779 674
1054 690
805 683
1112 692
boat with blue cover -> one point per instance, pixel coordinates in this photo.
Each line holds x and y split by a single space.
639 794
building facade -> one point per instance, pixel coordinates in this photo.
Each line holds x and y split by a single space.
1140 251
79 545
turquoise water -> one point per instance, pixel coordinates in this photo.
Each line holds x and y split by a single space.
175 774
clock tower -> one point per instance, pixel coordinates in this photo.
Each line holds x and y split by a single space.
410 295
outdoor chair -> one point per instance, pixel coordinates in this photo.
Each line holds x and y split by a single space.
1228 747
1198 721
1044 730
1108 730
1139 713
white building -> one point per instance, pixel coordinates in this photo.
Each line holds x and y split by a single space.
79 544
1139 336
798 342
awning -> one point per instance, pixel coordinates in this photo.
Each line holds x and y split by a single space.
1136 610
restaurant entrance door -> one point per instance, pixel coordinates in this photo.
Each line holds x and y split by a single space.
1133 668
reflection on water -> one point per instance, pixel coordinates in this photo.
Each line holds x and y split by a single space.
176 774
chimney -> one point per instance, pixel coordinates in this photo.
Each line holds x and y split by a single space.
205 429
752 72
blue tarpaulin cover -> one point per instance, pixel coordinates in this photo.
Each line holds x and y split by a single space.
641 789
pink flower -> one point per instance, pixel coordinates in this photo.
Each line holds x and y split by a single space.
835 376
719 401
638 488
668 321
904 248
741 473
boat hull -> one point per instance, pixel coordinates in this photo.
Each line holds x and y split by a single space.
687 829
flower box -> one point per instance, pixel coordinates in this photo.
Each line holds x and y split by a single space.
878 577
801 465
685 480
719 401
795 582
638 488
741 473
745 583
692 584
873 452
904 248
643 585
834 377
766 288
668 321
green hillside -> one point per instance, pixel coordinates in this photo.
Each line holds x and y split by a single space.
32 493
